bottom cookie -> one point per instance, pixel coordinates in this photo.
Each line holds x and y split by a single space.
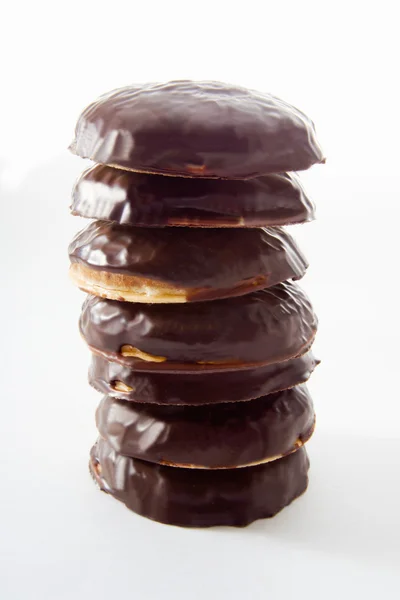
200 498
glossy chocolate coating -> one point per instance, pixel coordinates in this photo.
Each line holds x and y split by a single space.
198 388
200 498
206 263
144 200
196 129
234 434
261 328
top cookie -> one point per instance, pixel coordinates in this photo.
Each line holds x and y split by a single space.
196 129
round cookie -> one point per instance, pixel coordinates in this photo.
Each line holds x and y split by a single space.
200 498
171 265
261 328
121 382
196 129
222 436
143 200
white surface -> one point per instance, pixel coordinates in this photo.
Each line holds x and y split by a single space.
62 539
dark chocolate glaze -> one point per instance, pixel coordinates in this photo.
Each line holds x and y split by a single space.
227 435
206 263
196 129
144 200
198 388
200 498
261 328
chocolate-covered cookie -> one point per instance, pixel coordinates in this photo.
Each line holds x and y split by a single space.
119 381
200 498
229 435
196 129
261 328
171 265
144 200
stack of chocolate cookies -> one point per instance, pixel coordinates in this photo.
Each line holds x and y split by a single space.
200 339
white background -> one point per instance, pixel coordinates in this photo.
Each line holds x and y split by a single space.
62 539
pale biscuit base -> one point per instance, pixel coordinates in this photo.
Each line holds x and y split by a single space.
128 288
197 171
174 367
